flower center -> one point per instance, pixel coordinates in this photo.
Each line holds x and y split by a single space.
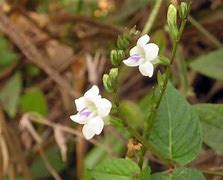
85 112
135 57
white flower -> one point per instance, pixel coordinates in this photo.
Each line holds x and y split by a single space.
92 110
144 55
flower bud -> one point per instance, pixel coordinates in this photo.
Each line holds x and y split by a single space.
113 74
122 43
114 58
107 83
172 21
183 10
163 60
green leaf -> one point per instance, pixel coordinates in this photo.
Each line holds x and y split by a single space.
7 56
9 94
118 169
210 64
145 174
133 112
180 173
187 174
176 132
34 100
211 116
38 168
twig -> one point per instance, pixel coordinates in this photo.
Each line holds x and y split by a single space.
14 146
31 52
152 17
36 118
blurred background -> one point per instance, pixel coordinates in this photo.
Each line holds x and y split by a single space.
51 51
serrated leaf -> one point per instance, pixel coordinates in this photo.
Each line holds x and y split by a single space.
210 64
176 131
118 169
34 100
9 94
211 117
180 173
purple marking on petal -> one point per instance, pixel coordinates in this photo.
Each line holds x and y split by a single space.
85 112
135 58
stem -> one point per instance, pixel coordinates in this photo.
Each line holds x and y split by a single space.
152 17
133 132
154 108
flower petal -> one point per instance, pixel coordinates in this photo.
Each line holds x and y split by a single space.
132 61
103 107
80 103
143 40
134 51
146 69
151 51
79 119
92 93
94 126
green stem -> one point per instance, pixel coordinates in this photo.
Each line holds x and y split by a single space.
152 17
207 34
133 132
154 108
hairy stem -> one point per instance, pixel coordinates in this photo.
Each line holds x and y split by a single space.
152 114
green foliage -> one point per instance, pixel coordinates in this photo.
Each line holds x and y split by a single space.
145 174
176 131
210 64
10 93
180 173
133 113
34 100
38 167
211 116
6 55
118 169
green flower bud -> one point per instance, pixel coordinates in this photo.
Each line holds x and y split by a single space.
121 55
172 21
113 74
122 43
183 10
107 83
114 58
163 60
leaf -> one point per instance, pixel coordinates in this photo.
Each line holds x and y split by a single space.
133 112
210 64
38 168
118 169
145 174
187 174
211 117
7 56
9 94
176 132
34 100
180 173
